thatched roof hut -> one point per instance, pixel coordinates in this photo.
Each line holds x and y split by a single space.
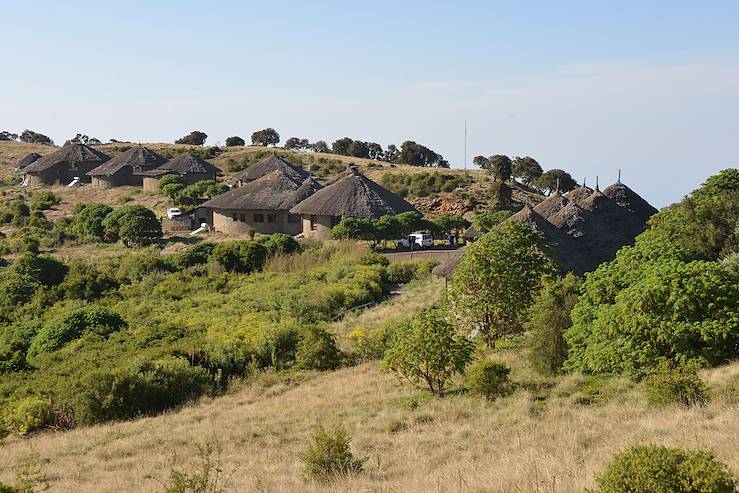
471 233
551 205
578 194
27 159
630 200
265 193
353 195
72 160
309 186
446 269
137 158
190 167
268 165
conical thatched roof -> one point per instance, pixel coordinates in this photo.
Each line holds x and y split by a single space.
138 157
268 165
471 233
353 195
28 159
551 205
630 200
578 194
182 165
71 153
571 219
267 192
309 186
446 269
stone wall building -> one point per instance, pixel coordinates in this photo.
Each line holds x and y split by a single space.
62 166
125 168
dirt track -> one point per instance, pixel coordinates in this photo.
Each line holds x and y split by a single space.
436 254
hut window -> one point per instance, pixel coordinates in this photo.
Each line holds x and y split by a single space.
293 218
258 218
243 218
271 218
313 220
235 217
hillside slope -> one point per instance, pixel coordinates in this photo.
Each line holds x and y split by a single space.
459 443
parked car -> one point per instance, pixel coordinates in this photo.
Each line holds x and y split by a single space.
173 212
417 240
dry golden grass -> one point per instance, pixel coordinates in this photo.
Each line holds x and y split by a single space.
460 443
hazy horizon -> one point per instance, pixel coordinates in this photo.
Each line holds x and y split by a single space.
651 89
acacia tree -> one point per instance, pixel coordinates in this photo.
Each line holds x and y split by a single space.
293 143
429 352
341 146
526 169
195 138
555 177
417 155
320 146
497 277
235 141
32 137
265 137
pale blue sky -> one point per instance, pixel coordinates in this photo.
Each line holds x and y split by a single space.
651 87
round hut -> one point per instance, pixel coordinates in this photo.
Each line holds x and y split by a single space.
190 167
73 161
124 168
26 160
268 165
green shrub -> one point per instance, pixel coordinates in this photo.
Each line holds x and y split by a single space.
207 477
240 256
196 255
132 224
279 243
374 258
317 350
547 319
27 414
63 329
657 469
429 352
276 347
372 343
488 379
145 388
43 200
675 384
401 272
330 456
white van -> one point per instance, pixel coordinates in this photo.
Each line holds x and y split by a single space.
417 240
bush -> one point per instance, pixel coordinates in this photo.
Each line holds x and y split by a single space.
675 384
275 346
372 343
87 222
196 255
279 243
43 200
60 331
317 351
657 469
547 319
374 258
406 271
429 352
27 414
133 224
240 256
488 379
144 388
330 456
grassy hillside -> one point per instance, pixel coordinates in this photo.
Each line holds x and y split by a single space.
550 437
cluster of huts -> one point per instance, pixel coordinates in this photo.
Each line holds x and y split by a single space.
587 226
271 196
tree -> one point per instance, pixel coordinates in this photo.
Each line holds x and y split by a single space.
418 155
548 181
486 221
500 167
497 277
240 256
87 222
133 224
359 149
5 135
547 319
449 223
391 154
341 146
352 228
235 141
501 195
428 352
195 138
526 169
293 143
320 146
374 150
32 137
482 162
198 191
265 137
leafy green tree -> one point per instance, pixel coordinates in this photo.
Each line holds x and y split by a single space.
87 222
429 352
32 137
417 155
526 169
546 321
374 150
341 146
497 277
240 256
351 228
486 221
235 141
548 181
391 154
195 138
293 143
501 195
500 167
266 137
133 224
671 310
359 149
449 223
320 146
317 351
5 135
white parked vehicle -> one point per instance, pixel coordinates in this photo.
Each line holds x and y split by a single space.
173 212
417 240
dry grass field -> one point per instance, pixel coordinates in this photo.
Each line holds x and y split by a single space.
550 435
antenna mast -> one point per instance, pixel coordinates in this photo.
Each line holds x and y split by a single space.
465 145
